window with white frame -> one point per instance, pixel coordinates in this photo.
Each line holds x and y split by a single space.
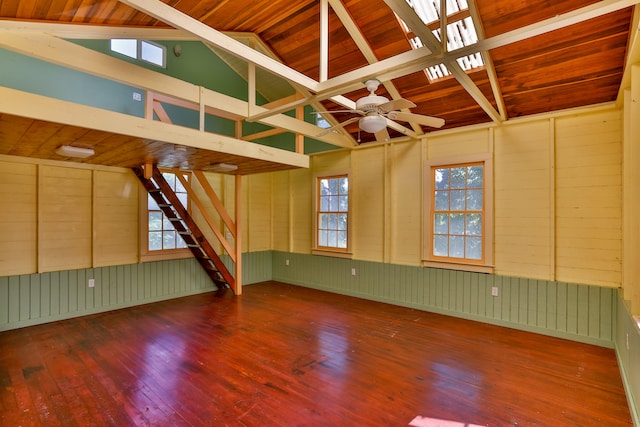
161 235
140 49
332 213
459 200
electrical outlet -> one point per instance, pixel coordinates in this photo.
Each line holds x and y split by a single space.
494 291
353 271
92 283
286 262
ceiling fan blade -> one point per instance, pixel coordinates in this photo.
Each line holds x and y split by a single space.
382 136
433 122
338 111
395 104
338 126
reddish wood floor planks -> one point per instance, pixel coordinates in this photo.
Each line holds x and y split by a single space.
286 355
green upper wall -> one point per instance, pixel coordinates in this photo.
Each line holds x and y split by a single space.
196 64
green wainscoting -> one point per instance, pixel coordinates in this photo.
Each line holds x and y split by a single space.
577 312
628 351
32 299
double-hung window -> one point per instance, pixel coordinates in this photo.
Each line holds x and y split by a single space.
160 238
332 213
459 228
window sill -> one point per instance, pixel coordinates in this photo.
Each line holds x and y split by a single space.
165 256
335 254
476 268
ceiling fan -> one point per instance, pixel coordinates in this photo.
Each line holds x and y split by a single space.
375 109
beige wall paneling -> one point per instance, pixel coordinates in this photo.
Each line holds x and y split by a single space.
367 203
64 218
115 218
631 196
588 198
330 162
18 218
523 211
301 213
457 144
258 211
281 199
406 207
216 182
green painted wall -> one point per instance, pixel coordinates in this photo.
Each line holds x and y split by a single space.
628 351
43 78
577 312
33 299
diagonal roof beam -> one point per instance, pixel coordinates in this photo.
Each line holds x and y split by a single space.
67 54
394 67
409 15
182 21
415 60
364 47
488 61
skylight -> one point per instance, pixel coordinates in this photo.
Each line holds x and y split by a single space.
460 32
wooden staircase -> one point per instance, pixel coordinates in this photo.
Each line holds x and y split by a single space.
186 227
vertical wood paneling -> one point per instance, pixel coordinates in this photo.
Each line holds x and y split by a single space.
406 206
522 211
281 204
30 299
589 198
367 204
34 296
578 311
64 218
18 218
258 213
115 218
301 214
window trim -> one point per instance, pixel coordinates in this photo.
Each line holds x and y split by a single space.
428 259
323 250
160 255
139 48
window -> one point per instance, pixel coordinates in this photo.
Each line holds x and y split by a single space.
460 31
140 49
459 226
332 213
161 235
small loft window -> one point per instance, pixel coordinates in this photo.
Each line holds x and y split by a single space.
140 49
460 32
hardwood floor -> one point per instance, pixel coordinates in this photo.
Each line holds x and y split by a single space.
282 355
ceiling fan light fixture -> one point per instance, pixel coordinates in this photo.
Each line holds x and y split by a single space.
77 152
372 124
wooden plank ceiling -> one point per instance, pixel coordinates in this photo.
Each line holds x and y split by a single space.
569 65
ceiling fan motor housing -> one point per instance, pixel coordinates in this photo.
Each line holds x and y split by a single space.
370 102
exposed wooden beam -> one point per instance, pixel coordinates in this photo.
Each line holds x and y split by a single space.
364 47
177 19
54 110
324 40
488 62
263 134
409 16
409 62
71 55
563 20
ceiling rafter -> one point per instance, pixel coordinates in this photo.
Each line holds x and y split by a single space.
58 51
364 47
488 61
411 18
